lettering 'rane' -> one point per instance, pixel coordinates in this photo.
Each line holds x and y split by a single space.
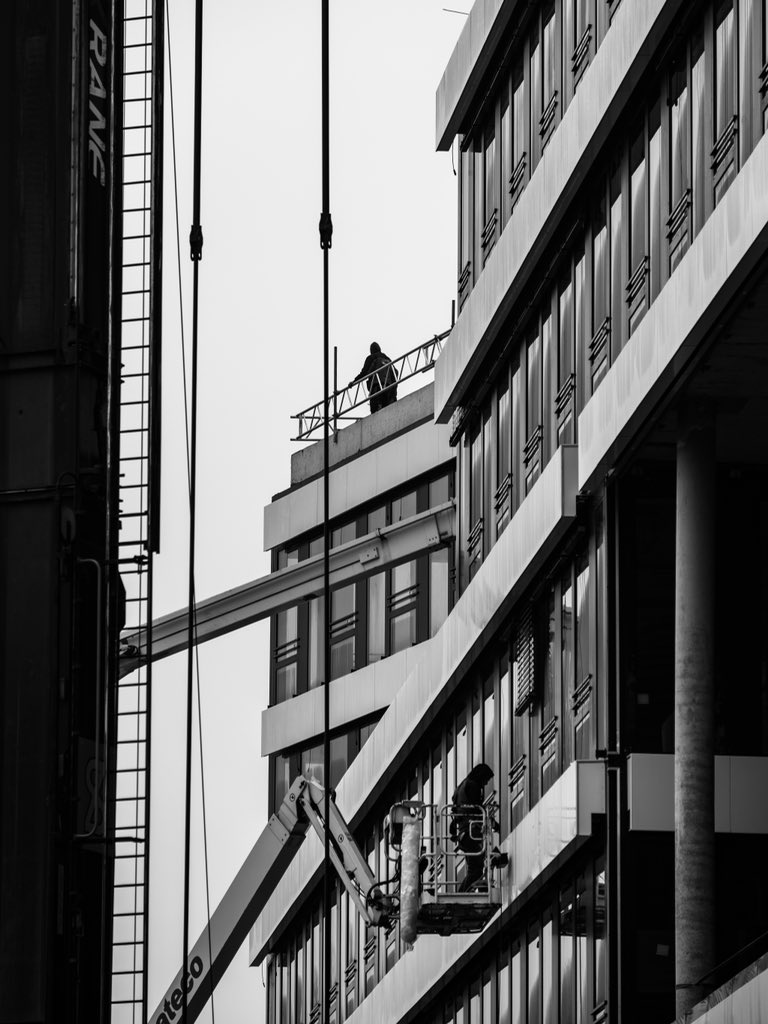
97 102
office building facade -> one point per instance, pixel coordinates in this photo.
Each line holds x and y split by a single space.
591 618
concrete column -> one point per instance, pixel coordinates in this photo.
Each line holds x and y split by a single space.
694 704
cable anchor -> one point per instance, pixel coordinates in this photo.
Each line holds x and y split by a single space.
195 243
326 230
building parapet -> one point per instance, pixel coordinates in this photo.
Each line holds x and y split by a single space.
613 74
375 472
365 434
706 280
366 691
468 64
539 524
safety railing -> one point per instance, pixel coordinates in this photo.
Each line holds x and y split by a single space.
344 401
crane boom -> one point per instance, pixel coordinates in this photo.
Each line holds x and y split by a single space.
304 806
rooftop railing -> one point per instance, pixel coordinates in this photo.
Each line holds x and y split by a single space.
344 401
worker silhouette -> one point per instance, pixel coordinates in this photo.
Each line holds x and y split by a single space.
466 828
382 386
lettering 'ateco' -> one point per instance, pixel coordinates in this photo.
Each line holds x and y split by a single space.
172 1004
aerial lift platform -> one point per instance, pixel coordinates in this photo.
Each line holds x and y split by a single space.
426 890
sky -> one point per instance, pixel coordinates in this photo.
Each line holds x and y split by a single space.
392 274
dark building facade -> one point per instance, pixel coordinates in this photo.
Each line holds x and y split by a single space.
64 179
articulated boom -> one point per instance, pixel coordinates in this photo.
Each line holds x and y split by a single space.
431 850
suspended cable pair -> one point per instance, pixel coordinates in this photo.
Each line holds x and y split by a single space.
190 428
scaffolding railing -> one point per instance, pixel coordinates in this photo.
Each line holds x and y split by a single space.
140 125
355 395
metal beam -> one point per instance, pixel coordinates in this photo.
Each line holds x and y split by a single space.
233 609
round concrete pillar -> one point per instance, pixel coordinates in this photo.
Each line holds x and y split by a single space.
694 704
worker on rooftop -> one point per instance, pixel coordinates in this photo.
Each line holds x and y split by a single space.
382 385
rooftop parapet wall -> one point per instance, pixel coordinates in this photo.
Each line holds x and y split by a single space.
370 474
366 433
468 64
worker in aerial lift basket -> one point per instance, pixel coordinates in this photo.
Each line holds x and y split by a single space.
385 378
466 828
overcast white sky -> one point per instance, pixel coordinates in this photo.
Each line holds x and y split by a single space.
393 271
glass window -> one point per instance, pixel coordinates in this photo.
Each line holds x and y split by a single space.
286 682
479 204
599 265
438 589
404 507
466 209
377 518
343 534
698 108
535 87
402 606
598 346
506 157
439 491
582 19
637 188
725 67
502 1013
316 641
376 617
518 1000
477 727
726 104
548 371
488 468
583 1001
475 1012
534 977
518 435
679 164
598 909
550 703
617 276
566 929
654 192
548 991
582 622
580 323
287 625
403 631
490 736
462 743
533 405
490 175
487 998
568 668
565 349
518 125
503 456
343 623
549 56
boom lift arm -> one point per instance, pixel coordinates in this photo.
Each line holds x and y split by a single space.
304 805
